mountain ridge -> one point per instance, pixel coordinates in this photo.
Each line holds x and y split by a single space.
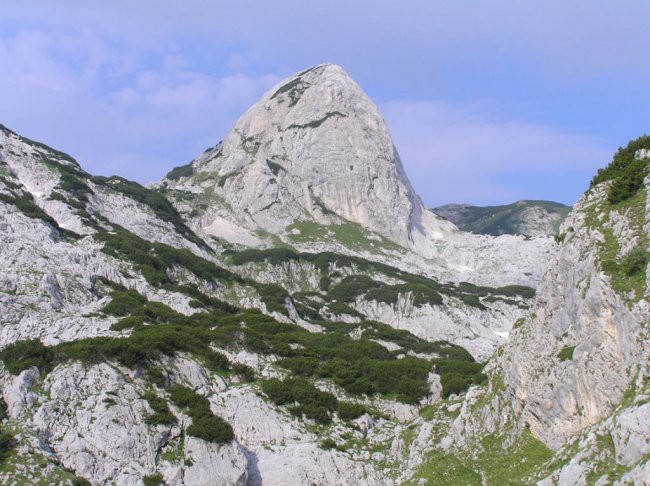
525 217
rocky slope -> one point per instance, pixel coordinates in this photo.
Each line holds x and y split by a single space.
574 373
111 303
528 218
138 349
312 163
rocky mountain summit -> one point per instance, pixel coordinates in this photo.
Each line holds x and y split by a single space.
256 318
528 218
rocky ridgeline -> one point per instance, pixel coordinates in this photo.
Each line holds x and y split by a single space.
261 319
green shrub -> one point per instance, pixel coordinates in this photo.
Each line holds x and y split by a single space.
328 444
625 172
3 409
130 322
339 308
162 415
348 289
300 365
153 480
25 204
273 297
246 373
7 443
211 428
514 291
311 402
158 203
182 171
156 376
566 353
635 262
325 283
205 425
22 355
350 411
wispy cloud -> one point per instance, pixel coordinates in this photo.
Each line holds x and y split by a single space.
458 153
121 111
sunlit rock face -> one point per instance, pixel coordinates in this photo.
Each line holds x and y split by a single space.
313 145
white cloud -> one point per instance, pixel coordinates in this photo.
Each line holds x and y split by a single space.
95 100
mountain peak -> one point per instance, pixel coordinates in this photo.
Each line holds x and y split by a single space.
313 148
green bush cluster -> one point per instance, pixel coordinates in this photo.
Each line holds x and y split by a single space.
142 347
457 376
361 366
566 353
635 262
350 411
182 171
156 260
205 425
302 397
348 289
153 480
625 172
273 297
7 440
72 181
22 355
422 294
161 414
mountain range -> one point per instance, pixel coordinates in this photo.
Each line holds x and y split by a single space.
285 310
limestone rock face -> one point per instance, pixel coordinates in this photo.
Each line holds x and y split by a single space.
586 343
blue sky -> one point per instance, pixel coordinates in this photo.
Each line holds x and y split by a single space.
488 102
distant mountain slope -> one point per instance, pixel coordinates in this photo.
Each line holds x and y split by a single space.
530 218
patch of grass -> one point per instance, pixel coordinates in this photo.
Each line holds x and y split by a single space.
627 272
566 353
350 235
492 463
153 480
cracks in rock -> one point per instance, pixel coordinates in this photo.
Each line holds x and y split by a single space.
319 122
